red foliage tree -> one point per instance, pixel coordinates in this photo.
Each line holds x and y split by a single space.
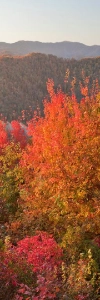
18 133
3 135
38 257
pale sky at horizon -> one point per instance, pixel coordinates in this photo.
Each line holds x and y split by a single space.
50 21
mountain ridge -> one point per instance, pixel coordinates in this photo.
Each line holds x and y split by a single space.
64 49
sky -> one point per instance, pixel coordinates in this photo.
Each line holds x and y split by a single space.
50 21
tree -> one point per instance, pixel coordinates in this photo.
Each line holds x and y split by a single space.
62 169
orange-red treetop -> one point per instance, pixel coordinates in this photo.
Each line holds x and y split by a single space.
62 162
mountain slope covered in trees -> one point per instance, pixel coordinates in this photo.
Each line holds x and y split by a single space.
23 81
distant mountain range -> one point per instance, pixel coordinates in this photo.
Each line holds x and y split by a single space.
64 49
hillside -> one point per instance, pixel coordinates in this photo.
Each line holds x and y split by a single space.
63 49
23 80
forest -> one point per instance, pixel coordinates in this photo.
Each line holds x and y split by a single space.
23 81
50 182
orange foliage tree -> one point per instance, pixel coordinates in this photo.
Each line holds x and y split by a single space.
61 167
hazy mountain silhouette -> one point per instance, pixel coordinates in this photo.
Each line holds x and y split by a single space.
64 49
